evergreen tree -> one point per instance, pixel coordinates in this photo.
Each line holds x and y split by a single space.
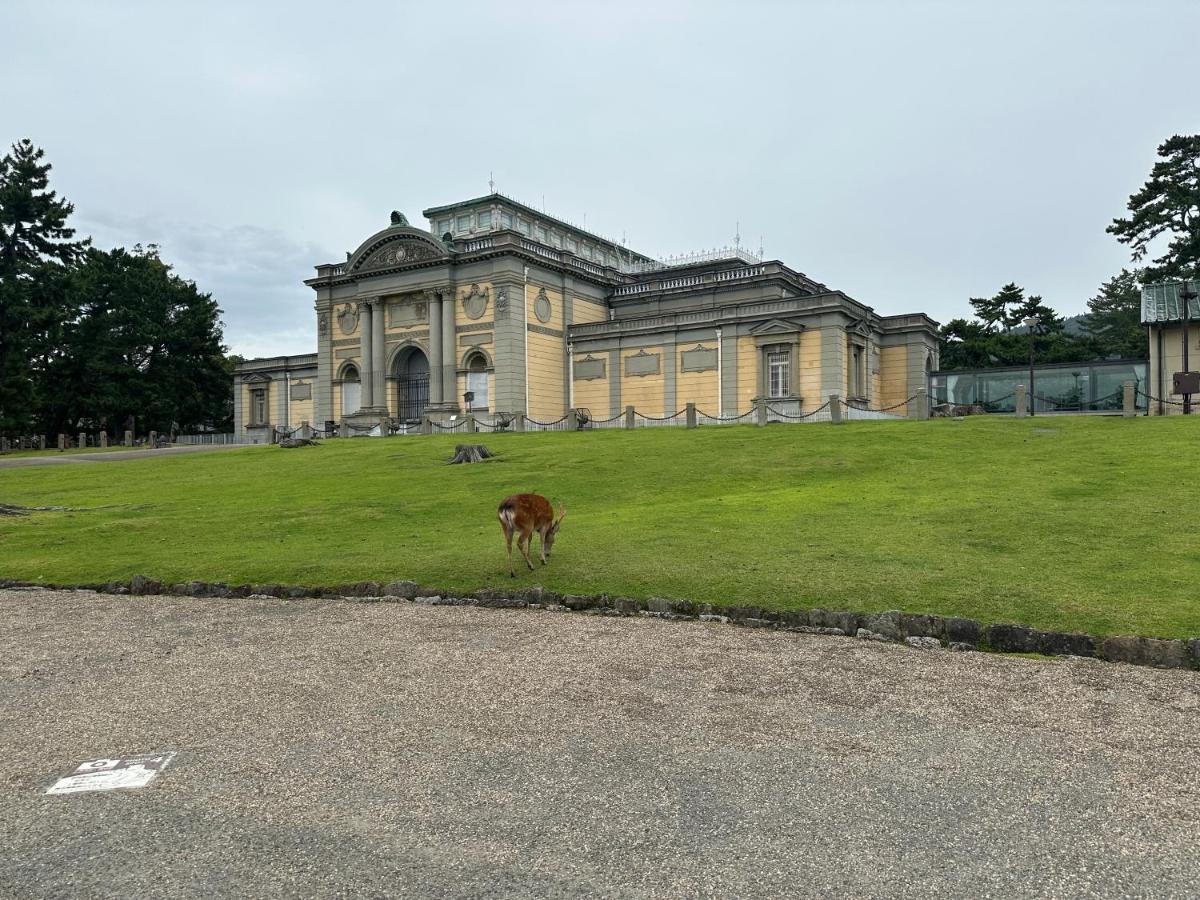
1168 203
146 343
1115 317
36 247
1032 307
996 312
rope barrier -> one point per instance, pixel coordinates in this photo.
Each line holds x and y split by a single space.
661 418
850 404
783 415
533 421
1154 399
744 415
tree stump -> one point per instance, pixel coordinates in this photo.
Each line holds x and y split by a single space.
471 453
293 442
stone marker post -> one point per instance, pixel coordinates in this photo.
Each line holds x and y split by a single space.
154 440
128 438
630 422
572 420
472 427
691 415
344 429
426 425
1021 401
103 439
1128 400
62 441
835 409
760 408
918 407
519 422
42 445
83 440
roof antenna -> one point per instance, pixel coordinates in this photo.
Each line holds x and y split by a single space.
760 249
737 237
491 184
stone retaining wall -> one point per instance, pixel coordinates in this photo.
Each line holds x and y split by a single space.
919 631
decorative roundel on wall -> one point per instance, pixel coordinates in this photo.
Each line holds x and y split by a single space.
475 302
541 306
348 318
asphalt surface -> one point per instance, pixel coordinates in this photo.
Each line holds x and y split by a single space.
54 458
349 749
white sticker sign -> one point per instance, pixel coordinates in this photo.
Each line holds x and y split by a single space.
113 773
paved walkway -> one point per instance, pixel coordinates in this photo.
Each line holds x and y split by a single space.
331 748
52 458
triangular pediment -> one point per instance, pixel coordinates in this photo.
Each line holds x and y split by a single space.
777 326
860 327
256 378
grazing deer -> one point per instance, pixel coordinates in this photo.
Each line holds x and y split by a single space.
524 514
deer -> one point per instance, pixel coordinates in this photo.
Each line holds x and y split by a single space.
523 514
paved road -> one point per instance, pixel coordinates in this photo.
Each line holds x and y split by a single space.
51 458
331 748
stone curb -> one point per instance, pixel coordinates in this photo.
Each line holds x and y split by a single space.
922 632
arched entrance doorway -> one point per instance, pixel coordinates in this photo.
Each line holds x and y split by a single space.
412 384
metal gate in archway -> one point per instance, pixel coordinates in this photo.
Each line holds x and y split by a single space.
412 396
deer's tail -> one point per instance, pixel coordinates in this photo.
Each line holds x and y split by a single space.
507 515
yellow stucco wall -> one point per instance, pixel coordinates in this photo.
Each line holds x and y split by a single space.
893 376
810 370
699 388
547 379
747 375
645 392
489 314
594 395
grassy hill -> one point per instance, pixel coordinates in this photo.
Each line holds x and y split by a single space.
1064 523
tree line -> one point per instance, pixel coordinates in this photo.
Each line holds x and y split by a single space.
1166 209
93 339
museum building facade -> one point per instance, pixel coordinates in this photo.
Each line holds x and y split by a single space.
500 308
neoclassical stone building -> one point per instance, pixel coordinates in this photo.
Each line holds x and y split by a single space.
527 313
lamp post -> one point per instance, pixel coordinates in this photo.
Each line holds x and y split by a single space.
1031 323
1187 295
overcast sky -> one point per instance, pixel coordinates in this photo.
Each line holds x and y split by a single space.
912 154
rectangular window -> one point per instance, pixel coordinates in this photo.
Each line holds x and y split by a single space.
443 226
485 219
541 234
857 375
778 373
523 226
463 224
573 245
477 382
506 220
258 406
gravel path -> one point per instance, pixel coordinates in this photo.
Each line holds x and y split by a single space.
334 748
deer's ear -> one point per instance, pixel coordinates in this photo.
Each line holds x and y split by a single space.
562 513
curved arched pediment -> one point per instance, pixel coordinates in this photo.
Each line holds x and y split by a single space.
396 246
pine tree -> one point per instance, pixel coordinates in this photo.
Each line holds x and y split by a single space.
36 247
996 312
1115 317
1168 203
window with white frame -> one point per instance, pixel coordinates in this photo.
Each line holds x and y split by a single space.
485 219
258 406
477 381
541 234
443 226
506 220
523 226
462 223
351 391
779 382
858 380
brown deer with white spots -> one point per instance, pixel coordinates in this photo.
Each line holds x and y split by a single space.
523 514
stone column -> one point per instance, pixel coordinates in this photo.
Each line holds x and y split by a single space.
449 352
378 354
435 347
1020 402
103 439
835 409
366 334
1128 400
83 440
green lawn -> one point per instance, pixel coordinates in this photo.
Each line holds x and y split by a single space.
1056 522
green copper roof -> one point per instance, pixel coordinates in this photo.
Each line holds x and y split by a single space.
1161 302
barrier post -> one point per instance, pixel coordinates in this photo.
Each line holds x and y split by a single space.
519 422
1021 401
572 420
629 414
835 409
691 415
760 407
921 403
1128 400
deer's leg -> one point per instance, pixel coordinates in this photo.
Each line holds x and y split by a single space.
523 545
508 540
542 535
